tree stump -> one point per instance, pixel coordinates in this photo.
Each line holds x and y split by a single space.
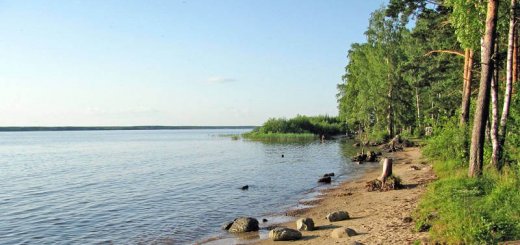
387 169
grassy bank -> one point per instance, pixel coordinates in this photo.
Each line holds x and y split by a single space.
279 137
457 209
299 128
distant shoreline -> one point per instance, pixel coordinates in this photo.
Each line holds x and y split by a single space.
105 128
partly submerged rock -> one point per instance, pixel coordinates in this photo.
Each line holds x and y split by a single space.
305 224
328 175
342 232
325 180
337 216
227 225
284 234
244 224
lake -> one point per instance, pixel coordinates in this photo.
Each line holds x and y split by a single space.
152 186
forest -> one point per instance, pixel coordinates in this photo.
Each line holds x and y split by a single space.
449 67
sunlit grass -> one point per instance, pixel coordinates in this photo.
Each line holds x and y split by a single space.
279 137
466 210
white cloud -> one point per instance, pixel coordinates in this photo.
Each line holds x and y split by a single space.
219 80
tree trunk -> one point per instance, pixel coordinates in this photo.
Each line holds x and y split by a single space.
431 109
494 118
390 116
515 57
387 169
510 72
466 99
466 92
418 107
482 107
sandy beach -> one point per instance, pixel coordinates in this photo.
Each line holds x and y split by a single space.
377 217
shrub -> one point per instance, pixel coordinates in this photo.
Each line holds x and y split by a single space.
318 125
447 143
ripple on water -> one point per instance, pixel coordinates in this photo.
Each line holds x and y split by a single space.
145 187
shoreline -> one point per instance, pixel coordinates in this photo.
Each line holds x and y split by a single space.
377 217
288 213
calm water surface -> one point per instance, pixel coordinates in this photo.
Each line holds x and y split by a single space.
143 187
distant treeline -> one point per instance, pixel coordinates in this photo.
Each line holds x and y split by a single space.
69 128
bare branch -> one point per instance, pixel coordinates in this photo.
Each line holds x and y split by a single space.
455 52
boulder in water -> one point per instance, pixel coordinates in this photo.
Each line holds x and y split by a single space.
244 224
227 225
325 180
328 175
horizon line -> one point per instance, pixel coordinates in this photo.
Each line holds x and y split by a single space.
92 128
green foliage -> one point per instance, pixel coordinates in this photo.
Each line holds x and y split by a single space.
463 210
512 149
279 137
467 18
374 136
398 77
373 81
404 9
447 143
299 127
390 81
472 210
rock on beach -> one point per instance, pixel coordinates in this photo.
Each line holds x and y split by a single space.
337 216
284 234
305 224
342 232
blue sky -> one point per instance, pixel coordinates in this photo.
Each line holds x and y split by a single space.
189 62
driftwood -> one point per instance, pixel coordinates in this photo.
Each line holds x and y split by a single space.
396 144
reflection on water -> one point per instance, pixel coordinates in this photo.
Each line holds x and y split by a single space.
169 186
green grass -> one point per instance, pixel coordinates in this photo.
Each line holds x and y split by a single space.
463 210
466 210
232 136
279 137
